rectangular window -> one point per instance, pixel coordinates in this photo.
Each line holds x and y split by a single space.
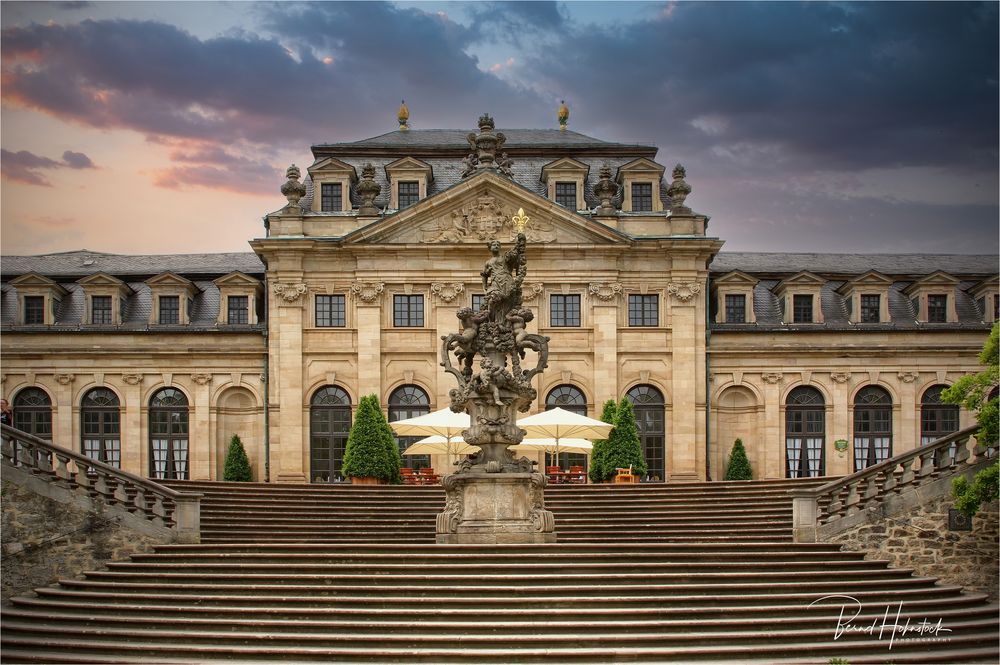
564 311
330 312
34 309
100 309
409 193
643 310
802 308
238 308
478 301
642 196
871 307
331 200
937 308
736 308
170 309
408 311
566 194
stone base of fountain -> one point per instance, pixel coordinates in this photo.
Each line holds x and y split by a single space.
494 508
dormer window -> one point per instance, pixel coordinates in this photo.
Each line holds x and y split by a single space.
736 308
238 299
38 299
332 180
34 310
409 179
933 298
802 308
734 298
800 298
100 310
642 196
173 299
331 197
867 297
987 298
871 308
640 180
566 194
105 298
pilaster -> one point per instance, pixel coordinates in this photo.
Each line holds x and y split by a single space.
605 322
286 311
200 437
682 457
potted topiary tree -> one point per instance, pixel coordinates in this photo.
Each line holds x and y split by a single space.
371 456
599 471
237 466
624 449
739 465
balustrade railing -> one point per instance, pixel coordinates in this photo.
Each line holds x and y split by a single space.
949 455
141 497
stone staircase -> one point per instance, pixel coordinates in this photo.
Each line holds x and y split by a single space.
699 572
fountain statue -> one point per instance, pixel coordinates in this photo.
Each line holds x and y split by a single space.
495 497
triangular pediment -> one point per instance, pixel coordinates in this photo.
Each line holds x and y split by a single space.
100 279
986 286
871 279
33 279
333 165
564 164
236 278
480 209
407 164
735 278
937 279
800 279
169 280
640 165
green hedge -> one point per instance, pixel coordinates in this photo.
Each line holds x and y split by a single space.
739 466
623 446
371 448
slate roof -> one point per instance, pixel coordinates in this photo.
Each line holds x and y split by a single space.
787 263
82 262
456 138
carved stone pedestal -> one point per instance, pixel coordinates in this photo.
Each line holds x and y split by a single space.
488 508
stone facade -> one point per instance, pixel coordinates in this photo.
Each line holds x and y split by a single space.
44 540
920 539
650 282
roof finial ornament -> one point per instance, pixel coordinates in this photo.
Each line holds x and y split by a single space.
485 146
368 189
403 116
606 189
563 115
292 188
678 191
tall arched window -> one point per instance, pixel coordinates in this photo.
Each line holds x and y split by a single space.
805 425
569 398
33 412
168 435
329 427
100 426
872 427
408 402
649 405
937 419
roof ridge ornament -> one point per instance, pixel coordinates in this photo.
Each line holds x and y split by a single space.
292 189
485 145
563 115
678 191
368 189
403 115
606 189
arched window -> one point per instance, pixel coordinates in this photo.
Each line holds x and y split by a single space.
100 426
872 427
329 427
569 398
408 402
649 405
168 435
937 419
33 412
805 429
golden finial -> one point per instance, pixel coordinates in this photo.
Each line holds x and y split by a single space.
520 220
403 116
563 114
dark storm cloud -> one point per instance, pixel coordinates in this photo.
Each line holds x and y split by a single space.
851 85
515 22
24 166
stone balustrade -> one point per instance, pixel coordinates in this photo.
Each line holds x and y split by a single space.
141 498
831 508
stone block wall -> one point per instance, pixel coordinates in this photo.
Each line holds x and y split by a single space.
43 540
919 539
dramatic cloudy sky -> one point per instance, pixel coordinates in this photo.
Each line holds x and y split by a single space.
165 127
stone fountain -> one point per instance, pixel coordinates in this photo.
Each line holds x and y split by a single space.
494 497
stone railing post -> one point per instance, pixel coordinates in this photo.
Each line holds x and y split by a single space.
805 509
187 518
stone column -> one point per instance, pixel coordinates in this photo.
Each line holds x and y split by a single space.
368 296
134 457
62 428
286 308
682 442
200 437
774 456
447 298
906 435
605 303
839 425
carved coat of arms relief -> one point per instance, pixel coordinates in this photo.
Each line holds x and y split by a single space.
484 219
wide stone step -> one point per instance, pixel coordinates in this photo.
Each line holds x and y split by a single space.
620 549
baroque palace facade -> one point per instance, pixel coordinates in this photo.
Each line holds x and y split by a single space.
820 363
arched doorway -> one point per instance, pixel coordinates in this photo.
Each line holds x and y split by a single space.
405 402
872 427
329 427
100 426
805 433
649 405
168 435
569 398
236 413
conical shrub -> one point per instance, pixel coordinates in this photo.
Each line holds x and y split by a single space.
237 463
624 448
371 449
738 467
599 471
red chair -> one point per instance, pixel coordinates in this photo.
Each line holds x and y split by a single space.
409 478
577 475
428 477
554 473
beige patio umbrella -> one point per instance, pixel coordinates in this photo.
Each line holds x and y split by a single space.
444 423
549 445
440 445
561 424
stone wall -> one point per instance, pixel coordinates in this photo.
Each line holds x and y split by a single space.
43 540
919 539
